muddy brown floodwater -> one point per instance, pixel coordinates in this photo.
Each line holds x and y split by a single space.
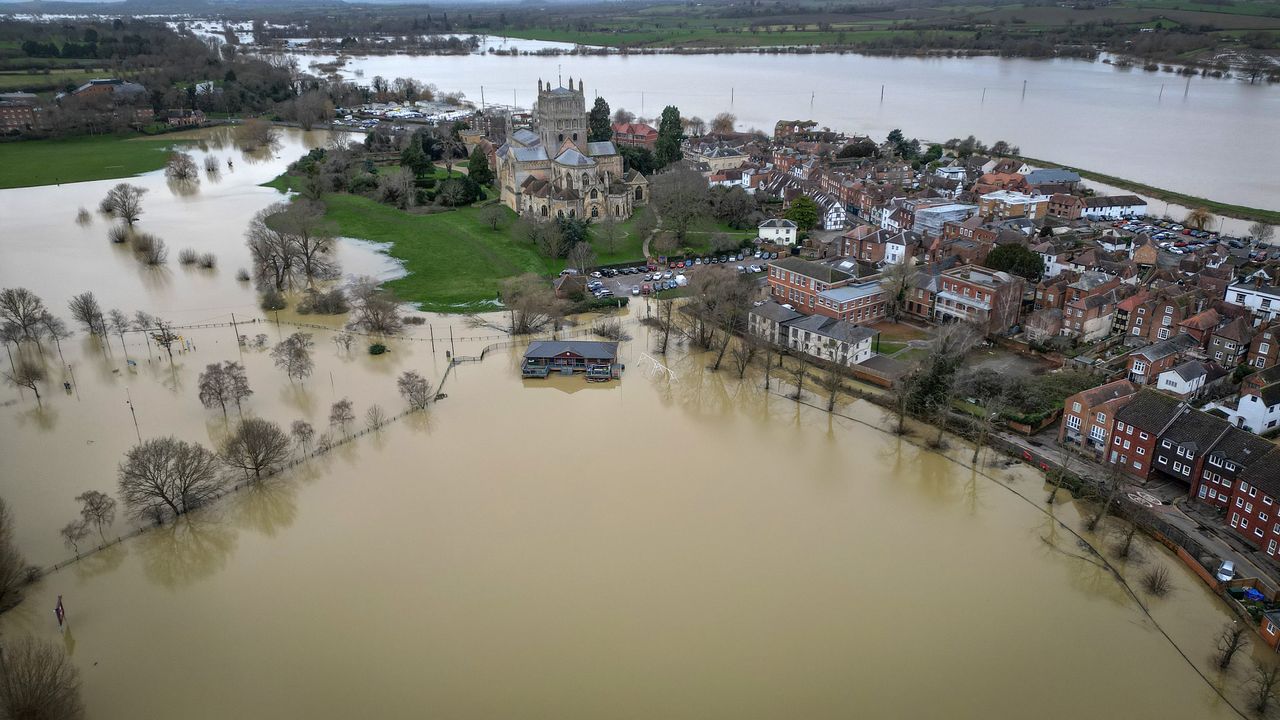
679 545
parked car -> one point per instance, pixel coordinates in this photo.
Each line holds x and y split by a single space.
635 289
1226 571
755 268
646 288
668 275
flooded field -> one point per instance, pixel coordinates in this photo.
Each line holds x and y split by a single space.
679 545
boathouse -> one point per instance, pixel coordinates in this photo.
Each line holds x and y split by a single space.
569 356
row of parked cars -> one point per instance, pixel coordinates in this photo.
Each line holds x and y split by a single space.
649 269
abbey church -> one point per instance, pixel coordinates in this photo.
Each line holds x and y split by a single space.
550 170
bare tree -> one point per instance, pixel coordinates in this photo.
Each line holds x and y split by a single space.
901 393
723 122
293 355
581 256
302 432
896 280
303 225
1261 232
181 168
415 389
274 255
1266 678
13 567
97 509
343 340
1230 641
221 384
375 417
257 446
40 682
86 311
493 216
374 310
125 202
832 382
609 233
666 320
531 304
1106 497
56 329
680 198
73 533
27 374
118 323
744 351
341 414
168 473
798 373
987 424
1156 581
24 309
255 133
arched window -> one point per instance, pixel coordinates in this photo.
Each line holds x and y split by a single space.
586 180
573 213
595 212
639 193
560 214
575 137
617 210
594 193
544 211
561 137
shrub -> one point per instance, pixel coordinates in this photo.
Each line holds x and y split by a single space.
150 249
118 234
208 261
333 302
273 300
415 320
187 256
1156 581
242 275
377 349
83 217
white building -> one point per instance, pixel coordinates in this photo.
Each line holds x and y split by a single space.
1183 380
1255 413
830 339
778 231
769 321
1262 300
1113 207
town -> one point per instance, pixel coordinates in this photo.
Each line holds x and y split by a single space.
591 366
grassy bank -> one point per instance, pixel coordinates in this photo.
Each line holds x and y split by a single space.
454 259
1271 217
28 163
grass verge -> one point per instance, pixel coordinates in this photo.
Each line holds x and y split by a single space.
28 163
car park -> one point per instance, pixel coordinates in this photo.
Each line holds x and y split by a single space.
635 289
755 268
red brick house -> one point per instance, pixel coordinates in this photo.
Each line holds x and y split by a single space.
1067 207
1200 325
1088 417
1264 350
1138 426
1218 476
1145 364
815 288
635 135
990 299
1253 506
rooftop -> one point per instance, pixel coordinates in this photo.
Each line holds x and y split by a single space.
817 271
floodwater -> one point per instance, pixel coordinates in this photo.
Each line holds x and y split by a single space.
678 544
1157 128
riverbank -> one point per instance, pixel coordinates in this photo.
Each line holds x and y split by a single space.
28 163
1241 212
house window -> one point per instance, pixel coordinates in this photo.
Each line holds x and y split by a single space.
1102 417
1166 444
1271 550
1142 436
1142 450
1075 407
1163 334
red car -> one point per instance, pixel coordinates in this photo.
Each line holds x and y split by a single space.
646 289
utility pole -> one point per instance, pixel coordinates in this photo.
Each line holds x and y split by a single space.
481 99
984 95
1187 89
236 329
1161 96
641 103
451 345
812 95
74 384
731 91
882 94
1024 89
129 401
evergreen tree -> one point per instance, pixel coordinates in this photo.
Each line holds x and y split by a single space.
478 167
669 135
413 158
599 129
803 212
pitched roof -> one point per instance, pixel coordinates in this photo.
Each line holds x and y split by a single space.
1104 393
1149 410
1195 430
818 271
1265 473
573 158
775 312
597 149
1163 349
594 349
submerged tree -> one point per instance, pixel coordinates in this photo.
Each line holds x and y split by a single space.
168 473
415 389
125 202
86 311
97 509
23 309
257 446
1230 641
1266 679
531 304
73 533
293 355
374 310
341 414
13 567
302 432
224 383
181 168
27 374
40 682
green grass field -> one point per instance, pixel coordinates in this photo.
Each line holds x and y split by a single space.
454 260
42 82
101 157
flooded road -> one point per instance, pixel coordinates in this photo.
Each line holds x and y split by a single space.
678 545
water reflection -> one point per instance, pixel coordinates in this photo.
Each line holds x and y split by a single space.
269 505
101 561
190 549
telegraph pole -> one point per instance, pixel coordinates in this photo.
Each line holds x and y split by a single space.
129 401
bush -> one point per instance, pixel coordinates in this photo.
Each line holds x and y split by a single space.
150 249
1156 581
333 302
242 275
208 261
415 320
118 234
273 300
187 256
377 349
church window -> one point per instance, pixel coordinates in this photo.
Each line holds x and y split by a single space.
594 193
561 137
595 212
575 137
639 193
572 213
617 210
544 211
585 180
560 214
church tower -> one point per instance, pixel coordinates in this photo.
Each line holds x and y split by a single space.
561 114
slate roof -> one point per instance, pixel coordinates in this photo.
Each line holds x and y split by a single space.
1265 473
1052 175
818 271
1149 410
775 312
593 349
596 149
1190 370
573 158
838 330
1163 349
529 154
1110 391
526 137
778 223
1114 201
1195 430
